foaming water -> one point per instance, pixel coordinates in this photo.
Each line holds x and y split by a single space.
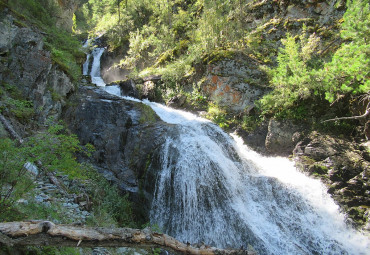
213 189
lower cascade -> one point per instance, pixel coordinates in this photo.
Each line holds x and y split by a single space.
213 189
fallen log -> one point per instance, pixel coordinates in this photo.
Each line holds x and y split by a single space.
46 233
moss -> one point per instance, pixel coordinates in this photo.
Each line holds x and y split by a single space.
19 23
320 169
307 160
218 55
147 115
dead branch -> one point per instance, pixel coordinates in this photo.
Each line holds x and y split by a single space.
47 233
14 135
367 112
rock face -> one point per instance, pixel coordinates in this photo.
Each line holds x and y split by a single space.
67 9
344 167
235 84
26 65
126 135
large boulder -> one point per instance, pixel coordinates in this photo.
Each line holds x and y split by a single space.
282 136
126 136
235 83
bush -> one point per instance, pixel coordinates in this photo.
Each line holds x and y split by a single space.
55 148
217 115
110 207
14 180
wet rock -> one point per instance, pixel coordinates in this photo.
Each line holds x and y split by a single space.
256 138
128 88
126 136
341 166
177 101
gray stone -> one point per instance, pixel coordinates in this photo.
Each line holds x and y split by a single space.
31 168
235 84
282 136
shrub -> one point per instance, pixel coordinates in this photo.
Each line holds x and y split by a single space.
14 181
299 75
217 115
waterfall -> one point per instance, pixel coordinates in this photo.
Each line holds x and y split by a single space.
85 67
213 189
95 68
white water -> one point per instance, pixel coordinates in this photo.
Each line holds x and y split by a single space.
95 67
214 189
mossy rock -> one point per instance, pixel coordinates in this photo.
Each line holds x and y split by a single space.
148 116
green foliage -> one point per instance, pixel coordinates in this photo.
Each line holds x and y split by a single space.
14 180
348 72
13 103
217 115
37 11
56 149
110 207
22 109
168 36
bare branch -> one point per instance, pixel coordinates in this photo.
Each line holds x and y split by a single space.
367 112
50 234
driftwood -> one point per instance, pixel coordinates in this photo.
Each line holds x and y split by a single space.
46 233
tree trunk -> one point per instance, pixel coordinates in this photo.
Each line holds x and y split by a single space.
46 233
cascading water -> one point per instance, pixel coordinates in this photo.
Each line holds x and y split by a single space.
213 189
95 68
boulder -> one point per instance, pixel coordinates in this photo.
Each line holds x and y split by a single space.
177 101
128 88
235 84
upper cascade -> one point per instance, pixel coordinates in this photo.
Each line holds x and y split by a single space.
94 71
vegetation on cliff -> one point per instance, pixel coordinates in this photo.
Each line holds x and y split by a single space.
313 64
64 47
